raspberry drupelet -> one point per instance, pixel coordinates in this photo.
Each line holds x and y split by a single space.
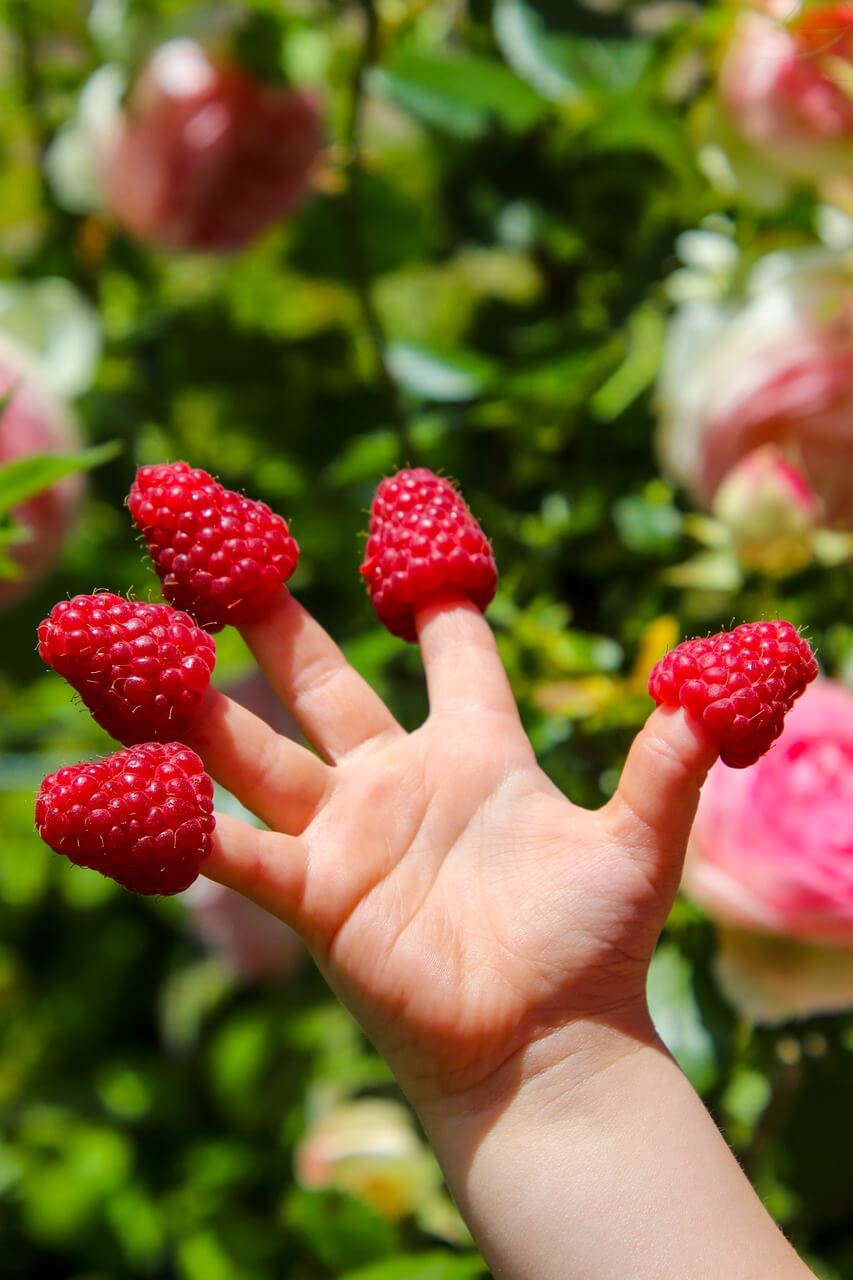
739 684
142 816
423 543
141 669
221 557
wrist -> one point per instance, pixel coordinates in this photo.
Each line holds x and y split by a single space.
541 1080
600 1160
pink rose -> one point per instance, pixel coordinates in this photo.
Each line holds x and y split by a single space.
771 860
371 1148
785 87
775 368
33 420
770 511
772 846
203 156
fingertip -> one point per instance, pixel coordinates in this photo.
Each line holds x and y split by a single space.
683 736
463 667
658 792
448 612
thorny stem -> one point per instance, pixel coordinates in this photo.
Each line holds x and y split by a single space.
352 230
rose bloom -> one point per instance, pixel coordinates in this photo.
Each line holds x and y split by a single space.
775 368
33 420
201 156
369 1147
770 511
785 86
772 846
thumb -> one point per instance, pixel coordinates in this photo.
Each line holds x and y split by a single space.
655 803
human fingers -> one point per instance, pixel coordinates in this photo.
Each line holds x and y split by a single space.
463 667
278 780
337 709
655 802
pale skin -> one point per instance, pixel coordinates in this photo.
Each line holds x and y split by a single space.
493 940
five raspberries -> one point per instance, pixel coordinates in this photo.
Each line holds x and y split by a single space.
145 815
423 543
740 684
221 557
141 669
142 816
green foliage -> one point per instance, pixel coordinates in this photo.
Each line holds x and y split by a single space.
479 292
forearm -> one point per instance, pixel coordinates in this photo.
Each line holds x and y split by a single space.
618 1173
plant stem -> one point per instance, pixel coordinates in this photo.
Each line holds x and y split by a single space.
786 1082
352 231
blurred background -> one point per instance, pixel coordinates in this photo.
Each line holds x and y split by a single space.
596 262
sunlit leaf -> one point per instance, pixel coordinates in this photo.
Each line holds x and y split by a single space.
23 478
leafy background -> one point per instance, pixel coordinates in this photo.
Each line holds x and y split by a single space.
478 289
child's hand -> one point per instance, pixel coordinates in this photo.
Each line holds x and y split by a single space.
473 919
493 939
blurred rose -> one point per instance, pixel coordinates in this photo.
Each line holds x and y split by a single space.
203 156
776 368
785 86
253 943
771 859
34 420
772 846
371 1149
771 512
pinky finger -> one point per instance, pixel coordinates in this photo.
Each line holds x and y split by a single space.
262 865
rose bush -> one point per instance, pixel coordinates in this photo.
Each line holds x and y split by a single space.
34 420
775 367
785 87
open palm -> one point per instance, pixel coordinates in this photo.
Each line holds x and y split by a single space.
458 903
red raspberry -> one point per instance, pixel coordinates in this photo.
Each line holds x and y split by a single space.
740 684
142 816
141 669
220 556
204 156
423 543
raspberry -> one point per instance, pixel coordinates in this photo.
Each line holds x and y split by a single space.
141 669
204 157
423 543
220 556
143 816
740 684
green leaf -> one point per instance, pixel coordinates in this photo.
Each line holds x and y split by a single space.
10 533
566 66
648 522
7 397
423 1266
638 370
23 478
465 95
676 1016
340 1228
449 377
